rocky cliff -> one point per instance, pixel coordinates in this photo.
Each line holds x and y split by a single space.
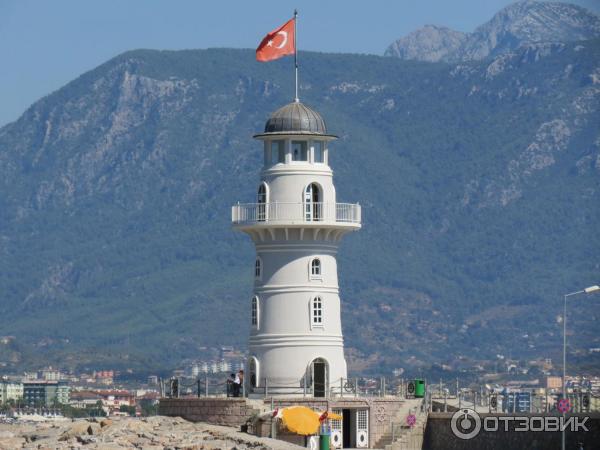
519 24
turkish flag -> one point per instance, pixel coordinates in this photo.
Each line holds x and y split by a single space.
277 43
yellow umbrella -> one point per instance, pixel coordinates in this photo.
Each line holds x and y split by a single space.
302 420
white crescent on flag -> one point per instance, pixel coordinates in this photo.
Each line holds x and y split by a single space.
285 38
278 43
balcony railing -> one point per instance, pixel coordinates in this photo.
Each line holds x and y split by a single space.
295 212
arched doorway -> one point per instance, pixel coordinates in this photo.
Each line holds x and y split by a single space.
262 201
313 202
252 381
319 374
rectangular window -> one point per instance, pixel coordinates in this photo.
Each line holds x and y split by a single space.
254 315
319 156
257 269
317 311
362 419
299 151
277 152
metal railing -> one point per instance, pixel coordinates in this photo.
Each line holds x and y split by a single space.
176 387
342 387
339 388
295 212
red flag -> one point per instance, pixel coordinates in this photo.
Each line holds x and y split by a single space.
277 43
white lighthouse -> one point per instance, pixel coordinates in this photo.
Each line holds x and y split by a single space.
296 223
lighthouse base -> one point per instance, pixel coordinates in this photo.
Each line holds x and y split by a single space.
312 366
365 423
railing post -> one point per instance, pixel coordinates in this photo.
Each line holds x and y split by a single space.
206 385
356 387
266 388
341 386
198 387
272 420
446 401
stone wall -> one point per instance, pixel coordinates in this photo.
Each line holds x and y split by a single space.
231 412
235 412
381 411
439 436
438 406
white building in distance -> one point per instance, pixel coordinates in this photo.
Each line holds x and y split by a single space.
296 224
10 390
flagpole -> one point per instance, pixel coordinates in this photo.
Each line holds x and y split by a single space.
296 99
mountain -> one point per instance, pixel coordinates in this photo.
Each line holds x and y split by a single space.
430 43
479 184
519 24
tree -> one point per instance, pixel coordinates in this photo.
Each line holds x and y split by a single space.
128 409
149 407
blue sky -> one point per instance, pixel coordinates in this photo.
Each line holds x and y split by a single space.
45 44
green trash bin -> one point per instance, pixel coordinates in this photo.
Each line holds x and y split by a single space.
324 437
419 388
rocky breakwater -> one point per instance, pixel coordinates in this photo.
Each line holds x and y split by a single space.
151 433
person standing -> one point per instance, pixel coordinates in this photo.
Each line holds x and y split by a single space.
230 382
236 385
240 377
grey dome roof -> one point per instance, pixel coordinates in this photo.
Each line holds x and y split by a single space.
295 118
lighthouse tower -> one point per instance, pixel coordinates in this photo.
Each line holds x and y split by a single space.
296 223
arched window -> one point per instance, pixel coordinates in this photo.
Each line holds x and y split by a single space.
262 200
316 312
313 203
255 312
315 268
258 269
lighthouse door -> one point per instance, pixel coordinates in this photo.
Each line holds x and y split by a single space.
308 204
319 377
312 203
262 200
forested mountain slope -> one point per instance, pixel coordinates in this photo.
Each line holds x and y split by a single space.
479 184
